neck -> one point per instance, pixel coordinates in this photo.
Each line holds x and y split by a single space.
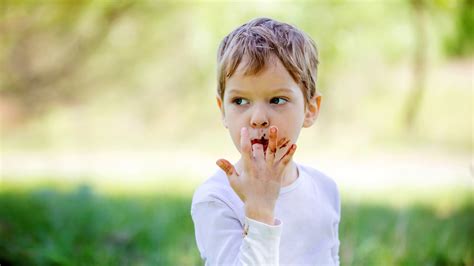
290 172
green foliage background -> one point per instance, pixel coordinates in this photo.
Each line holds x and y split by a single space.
150 66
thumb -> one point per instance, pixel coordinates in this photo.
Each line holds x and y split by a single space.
229 170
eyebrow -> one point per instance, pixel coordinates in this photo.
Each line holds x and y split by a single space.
278 90
284 90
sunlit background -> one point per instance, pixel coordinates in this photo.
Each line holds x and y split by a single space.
108 123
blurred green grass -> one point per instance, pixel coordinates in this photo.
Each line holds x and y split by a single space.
81 226
49 227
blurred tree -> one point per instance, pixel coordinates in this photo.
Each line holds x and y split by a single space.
44 44
457 44
151 60
419 67
461 43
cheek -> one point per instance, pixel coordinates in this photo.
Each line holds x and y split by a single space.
289 130
291 121
234 130
235 122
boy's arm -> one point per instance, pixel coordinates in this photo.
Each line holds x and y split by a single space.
222 240
258 186
335 248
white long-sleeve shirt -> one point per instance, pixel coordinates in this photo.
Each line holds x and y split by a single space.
306 232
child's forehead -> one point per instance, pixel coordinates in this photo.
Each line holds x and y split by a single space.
249 66
268 91
270 79
273 72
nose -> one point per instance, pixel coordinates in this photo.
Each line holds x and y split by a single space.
259 117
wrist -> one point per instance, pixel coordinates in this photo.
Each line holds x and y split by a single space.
260 213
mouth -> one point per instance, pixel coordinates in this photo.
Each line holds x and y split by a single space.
262 141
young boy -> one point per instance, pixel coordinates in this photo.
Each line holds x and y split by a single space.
267 209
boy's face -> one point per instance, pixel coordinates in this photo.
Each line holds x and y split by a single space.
270 98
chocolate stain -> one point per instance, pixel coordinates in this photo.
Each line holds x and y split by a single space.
281 141
284 144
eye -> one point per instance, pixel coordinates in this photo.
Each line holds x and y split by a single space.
278 100
240 101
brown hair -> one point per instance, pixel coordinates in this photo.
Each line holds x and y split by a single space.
262 38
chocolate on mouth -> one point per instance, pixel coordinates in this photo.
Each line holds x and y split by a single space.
262 141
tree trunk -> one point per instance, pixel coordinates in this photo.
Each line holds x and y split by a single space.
419 64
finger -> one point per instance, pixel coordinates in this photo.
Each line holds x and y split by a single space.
288 156
245 147
272 145
282 143
229 170
258 154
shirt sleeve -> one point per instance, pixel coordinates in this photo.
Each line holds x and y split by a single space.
335 248
222 240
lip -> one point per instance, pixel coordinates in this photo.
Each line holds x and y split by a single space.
262 141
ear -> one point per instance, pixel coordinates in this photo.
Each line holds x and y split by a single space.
221 107
312 110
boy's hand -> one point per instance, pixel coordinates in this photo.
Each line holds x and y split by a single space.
258 184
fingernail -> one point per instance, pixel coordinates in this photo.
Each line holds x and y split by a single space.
272 130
